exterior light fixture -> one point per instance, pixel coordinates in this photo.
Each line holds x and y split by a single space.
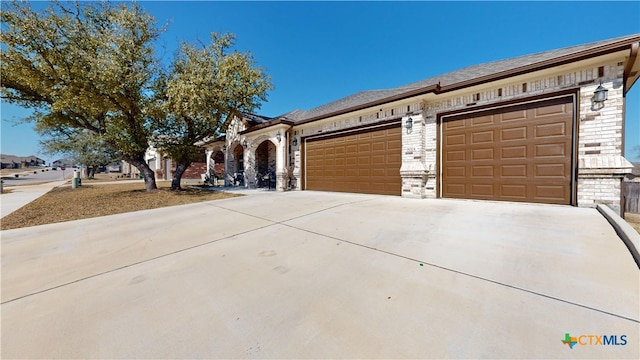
224 148
600 95
244 144
278 136
408 124
295 141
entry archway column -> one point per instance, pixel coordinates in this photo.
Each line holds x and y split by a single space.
209 153
281 169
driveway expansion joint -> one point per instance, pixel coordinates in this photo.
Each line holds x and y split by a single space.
496 282
133 264
177 251
284 223
295 217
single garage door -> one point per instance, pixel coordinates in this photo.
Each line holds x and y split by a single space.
364 162
521 153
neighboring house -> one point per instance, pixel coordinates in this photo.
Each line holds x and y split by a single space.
62 163
10 162
528 129
114 167
164 166
18 162
129 170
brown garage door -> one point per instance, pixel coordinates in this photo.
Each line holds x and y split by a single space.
365 162
521 153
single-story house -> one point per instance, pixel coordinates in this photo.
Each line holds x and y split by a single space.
18 162
541 128
164 166
62 163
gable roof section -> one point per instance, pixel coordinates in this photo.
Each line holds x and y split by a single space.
465 77
8 159
254 119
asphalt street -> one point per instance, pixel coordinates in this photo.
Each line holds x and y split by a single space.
36 175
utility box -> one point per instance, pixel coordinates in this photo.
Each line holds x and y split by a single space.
76 180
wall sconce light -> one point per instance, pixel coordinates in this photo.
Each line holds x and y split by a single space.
244 144
600 95
295 141
408 124
224 148
278 136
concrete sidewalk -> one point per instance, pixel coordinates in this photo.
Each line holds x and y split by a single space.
321 275
24 194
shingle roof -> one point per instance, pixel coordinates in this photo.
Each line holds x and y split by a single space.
476 71
452 78
256 119
8 159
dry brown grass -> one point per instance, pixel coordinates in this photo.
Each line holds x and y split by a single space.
10 172
65 204
99 177
633 220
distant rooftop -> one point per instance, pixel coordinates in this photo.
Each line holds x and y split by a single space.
7 159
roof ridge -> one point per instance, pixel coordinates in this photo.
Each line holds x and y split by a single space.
458 76
566 51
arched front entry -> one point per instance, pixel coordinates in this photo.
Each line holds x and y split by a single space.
265 166
235 168
216 167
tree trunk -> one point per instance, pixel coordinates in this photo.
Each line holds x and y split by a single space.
91 172
177 175
145 170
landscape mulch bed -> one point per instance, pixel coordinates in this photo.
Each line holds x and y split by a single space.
65 204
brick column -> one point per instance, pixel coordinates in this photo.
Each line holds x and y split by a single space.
413 171
600 181
297 169
601 166
281 172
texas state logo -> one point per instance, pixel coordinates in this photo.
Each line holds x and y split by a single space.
569 340
594 340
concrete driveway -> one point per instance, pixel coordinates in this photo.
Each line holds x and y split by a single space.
322 275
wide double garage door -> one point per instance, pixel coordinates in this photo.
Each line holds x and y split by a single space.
520 153
364 161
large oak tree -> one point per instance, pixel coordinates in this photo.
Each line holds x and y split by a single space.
91 67
83 66
203 87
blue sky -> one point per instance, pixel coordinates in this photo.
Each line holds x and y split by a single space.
317 52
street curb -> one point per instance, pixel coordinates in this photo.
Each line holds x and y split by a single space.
629 235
